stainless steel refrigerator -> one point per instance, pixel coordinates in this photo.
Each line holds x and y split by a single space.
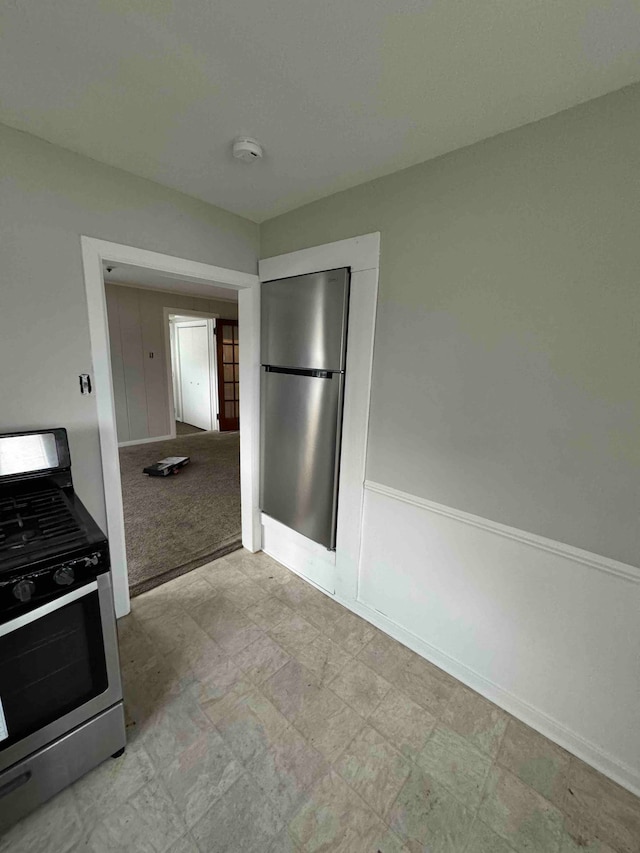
303 356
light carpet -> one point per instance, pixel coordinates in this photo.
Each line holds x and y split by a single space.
183 428
174 524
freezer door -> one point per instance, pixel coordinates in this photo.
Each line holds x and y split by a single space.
304 320
301 419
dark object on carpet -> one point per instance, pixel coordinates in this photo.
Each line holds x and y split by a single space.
165 467
183 428
175 524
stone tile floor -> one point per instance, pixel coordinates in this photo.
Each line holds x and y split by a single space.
263 716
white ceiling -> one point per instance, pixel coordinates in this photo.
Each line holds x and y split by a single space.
139 277
338 91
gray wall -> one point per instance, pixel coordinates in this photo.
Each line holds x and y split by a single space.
137 328
506 366
48 198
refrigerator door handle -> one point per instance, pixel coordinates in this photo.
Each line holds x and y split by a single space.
299 371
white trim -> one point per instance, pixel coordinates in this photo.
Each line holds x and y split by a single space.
338 572
521 619
207 324
166 438
298 553
151 440
309 545
249 339
171 363
138 286
577 555
355 426
169 265
188 312
359 253
94 253
626 776
172 360
564 736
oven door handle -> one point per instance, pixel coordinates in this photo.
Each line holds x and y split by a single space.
49 607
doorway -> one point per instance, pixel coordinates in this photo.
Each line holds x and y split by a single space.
187 277
205 372
176 524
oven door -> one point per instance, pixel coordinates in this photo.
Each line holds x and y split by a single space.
58 668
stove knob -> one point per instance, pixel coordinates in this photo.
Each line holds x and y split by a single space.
64 576
23 590
91 561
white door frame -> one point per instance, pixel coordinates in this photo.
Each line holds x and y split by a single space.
173 359
337 573
94 253
206 326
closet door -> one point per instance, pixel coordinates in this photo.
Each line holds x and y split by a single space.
193 345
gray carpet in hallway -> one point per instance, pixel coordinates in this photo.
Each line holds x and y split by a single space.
175 523
183 428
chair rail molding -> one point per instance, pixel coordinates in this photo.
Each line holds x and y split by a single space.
587 558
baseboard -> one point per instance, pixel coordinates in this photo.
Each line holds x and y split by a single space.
146 440
567 739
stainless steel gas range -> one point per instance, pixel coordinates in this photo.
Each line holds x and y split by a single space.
61 709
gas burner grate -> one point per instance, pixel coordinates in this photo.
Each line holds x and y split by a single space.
35 519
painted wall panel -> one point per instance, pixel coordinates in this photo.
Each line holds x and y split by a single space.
154 370
546 635
117 366
141 396
134 375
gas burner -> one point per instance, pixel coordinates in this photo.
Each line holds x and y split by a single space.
35 518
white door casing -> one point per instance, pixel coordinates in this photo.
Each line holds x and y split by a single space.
195 373
361 254
94 253
174 388
337 572
173 362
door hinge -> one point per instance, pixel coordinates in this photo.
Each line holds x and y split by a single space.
218 416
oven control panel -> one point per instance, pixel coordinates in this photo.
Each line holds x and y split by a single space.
31 588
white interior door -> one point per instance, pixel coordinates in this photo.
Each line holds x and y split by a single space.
195 379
